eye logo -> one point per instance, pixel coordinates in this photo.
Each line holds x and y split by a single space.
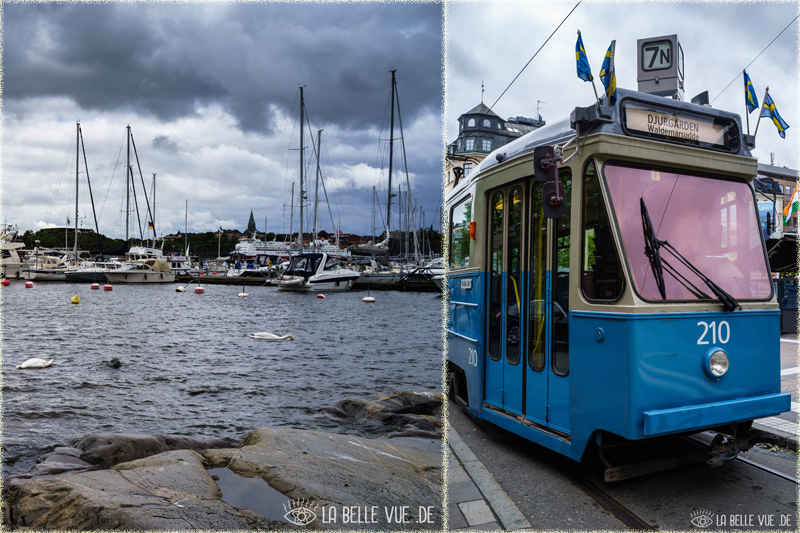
702 518
300 512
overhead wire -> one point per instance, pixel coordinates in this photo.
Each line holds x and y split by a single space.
754 60
534 55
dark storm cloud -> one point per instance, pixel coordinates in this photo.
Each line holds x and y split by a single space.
167 59
165 143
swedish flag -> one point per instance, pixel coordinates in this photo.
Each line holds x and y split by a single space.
584 71
608 74
770 111
749 94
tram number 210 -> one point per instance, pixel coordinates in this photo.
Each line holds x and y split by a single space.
473 357
721 333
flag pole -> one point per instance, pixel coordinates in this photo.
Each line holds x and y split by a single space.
759 114
747 92
596 96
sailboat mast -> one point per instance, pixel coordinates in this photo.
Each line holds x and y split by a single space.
302 191
186 226
153 214
391 154
373 214
291 217
316 191
77 160
128 186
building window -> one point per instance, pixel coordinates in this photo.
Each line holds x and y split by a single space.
486 145
471 123
487 123
467 169
499 125
470 144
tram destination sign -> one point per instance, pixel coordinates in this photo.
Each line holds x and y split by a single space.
679 126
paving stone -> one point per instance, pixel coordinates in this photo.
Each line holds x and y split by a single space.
493 526
466 491
456 474
476 512
455 519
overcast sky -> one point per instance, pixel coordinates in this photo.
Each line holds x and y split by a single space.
493 42
210 92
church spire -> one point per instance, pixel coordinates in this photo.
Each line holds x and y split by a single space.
251 225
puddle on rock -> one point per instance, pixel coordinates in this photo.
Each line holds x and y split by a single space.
252 493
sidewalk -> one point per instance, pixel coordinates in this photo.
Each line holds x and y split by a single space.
475 500
786 426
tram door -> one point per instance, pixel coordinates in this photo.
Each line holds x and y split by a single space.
505 300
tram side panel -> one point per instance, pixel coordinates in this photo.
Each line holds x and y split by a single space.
642 375
465 337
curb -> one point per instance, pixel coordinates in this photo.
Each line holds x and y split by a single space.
506 511
781 438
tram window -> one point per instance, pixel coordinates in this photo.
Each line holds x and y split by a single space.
538 279
601 272
514 283
496 277
560 310
460 217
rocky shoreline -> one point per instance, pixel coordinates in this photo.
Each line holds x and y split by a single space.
119 481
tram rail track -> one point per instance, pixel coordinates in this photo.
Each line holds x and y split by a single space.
768 470
608 502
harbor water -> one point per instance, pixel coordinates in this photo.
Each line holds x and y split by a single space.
189 366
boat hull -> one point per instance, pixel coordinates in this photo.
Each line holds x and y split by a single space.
44 275
331 285
140 277
87 277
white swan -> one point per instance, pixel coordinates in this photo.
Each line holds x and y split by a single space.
263 335
34 363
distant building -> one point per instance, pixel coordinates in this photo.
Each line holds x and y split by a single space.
481 131
786 180
251 225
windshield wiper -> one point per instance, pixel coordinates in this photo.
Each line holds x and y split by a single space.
651 246
651 249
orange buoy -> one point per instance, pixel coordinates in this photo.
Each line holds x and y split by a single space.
95 286
321 296
6 283
199 290
28 284
107 287
368 299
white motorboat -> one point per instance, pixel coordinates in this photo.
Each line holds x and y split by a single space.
143 271
316 272
12 263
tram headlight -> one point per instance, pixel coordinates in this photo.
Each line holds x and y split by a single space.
715 363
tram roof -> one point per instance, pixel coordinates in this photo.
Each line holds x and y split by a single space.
561 131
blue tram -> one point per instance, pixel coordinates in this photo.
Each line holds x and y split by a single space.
607 281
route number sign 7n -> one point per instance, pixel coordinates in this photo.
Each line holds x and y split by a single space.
657 55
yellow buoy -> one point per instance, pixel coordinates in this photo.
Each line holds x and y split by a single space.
75 299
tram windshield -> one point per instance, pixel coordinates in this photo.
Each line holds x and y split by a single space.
711 222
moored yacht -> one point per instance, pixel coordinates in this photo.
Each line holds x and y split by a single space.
143 271
316 272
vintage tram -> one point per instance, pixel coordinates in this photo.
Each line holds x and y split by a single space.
607 282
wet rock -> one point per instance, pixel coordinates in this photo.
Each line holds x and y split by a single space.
173 490
183 442
341 470
62 459
108 449
168 491
404 413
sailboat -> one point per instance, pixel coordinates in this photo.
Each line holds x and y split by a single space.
145 263
48 265
313 271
